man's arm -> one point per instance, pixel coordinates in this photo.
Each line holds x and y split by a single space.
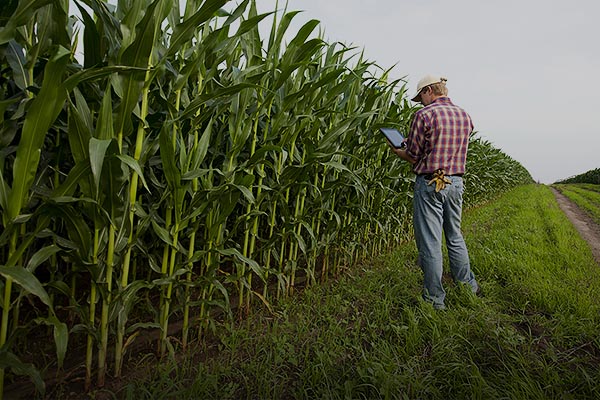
402 153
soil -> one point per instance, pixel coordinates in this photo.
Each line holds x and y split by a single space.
587 227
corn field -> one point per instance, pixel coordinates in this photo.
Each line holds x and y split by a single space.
591 176
183 171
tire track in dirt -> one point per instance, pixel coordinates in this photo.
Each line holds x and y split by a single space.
587 228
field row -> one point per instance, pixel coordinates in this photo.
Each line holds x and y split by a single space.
532 336
585 195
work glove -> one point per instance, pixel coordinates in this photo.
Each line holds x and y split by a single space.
440 180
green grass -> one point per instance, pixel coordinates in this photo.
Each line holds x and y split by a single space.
585 195
365 336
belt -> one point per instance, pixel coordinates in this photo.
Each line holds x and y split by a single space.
440 179
429 176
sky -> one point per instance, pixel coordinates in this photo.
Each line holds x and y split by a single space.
527 71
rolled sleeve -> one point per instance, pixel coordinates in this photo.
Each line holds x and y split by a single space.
415 140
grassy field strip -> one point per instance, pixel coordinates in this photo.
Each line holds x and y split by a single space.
533 335
589 186
586 196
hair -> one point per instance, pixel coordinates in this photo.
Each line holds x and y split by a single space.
439 88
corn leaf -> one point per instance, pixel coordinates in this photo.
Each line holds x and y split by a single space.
15 57
61 336
10 361
76 175
21 16
97 152
41 114
134 165
113 178
104 125
41 256
258 270
77 229
79 134
137 54
188 29
4 191
27 281
91 39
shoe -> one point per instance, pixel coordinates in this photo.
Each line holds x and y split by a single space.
479 292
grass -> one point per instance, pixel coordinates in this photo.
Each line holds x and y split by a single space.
365 336
585 195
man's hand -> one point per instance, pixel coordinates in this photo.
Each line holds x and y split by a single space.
401 152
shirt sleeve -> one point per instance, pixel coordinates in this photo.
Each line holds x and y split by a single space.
416 137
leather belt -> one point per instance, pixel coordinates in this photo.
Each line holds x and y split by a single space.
429 176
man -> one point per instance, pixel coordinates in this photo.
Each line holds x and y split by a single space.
437 146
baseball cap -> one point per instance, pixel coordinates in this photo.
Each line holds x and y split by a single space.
426 81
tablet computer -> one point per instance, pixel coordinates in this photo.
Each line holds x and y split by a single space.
394 136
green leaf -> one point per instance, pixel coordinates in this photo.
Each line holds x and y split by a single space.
77 173
27 281
44 109
79 131
137 54
10 361
77 229
196 173
4 191
97 151
336 165
96 73
193 107
134 165
104 126
51 28
162 233
41 256
203 144
42 223
142 325
260 154
61 339
114 177
167 155
251 23
277 34
61 336
16 59
258 270
60 287
91 39
246 192
304 32
189 28
128 297
21 16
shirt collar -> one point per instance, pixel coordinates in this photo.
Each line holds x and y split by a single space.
442 100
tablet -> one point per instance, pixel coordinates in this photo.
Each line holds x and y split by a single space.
394 136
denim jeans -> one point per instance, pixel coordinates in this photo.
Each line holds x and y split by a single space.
432 213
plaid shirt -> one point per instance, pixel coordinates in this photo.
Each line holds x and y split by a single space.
439 138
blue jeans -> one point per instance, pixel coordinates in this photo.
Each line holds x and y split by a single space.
432 213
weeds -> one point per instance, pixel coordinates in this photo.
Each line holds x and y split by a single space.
533 335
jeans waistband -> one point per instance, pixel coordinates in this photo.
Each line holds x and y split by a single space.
429 176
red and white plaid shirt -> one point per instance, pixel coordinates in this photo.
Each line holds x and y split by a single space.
439 138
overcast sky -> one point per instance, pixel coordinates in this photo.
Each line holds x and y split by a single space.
528 71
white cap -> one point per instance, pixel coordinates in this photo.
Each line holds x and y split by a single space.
426 81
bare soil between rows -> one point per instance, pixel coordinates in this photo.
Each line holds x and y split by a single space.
585 225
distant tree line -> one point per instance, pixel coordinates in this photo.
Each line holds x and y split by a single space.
592 176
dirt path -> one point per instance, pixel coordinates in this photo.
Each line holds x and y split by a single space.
587 228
